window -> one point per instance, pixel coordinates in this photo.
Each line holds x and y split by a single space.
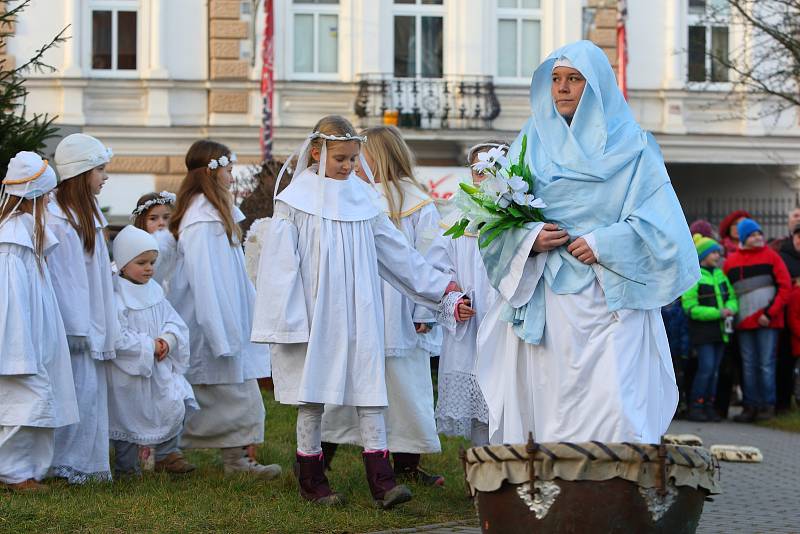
315 47
114 38
708 41
418 38
519 38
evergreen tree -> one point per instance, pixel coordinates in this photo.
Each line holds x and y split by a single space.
18 132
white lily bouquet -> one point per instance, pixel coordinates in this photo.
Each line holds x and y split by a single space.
504 200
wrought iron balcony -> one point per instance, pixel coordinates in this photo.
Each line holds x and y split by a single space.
452 102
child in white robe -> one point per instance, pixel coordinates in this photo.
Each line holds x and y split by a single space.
81 270
319 304
147 392
410 422
36 389
152 214
212 293
461 409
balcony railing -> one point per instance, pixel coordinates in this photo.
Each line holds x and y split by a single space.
453 102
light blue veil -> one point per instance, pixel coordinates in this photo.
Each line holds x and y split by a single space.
601 174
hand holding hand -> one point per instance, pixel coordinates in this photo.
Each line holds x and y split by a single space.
162 349
550 237
763 320
421 328
581 250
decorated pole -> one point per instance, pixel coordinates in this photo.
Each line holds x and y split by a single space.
267 85
622 47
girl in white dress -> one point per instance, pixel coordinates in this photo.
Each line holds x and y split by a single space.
410 423
461 409
36 389
152 214
81 270
319 303
212 293
147 392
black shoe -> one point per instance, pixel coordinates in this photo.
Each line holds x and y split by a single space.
421 476
698 414
748 415
766 413
711 413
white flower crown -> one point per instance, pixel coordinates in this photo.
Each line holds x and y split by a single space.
222 161
164 197
345 137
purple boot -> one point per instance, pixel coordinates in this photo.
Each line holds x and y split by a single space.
380 476
314 487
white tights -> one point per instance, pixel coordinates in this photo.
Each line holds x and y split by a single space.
309 428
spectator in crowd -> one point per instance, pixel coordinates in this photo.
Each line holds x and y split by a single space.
789 342
677 327
762 284
728 232
704 228
710 305
792 221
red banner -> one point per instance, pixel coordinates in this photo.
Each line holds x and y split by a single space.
267 85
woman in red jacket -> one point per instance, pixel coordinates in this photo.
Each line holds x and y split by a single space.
762 284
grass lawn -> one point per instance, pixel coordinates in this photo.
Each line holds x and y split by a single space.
205 501
788 421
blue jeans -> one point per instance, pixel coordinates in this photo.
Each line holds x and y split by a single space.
126 454
758 366
704 387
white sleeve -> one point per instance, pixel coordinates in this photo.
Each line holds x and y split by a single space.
17 353
135 350
404 268
67 265
280 311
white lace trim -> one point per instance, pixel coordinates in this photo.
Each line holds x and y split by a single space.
460 401
74 476
446 312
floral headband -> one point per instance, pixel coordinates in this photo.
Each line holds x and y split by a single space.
164 197
221 162
345 137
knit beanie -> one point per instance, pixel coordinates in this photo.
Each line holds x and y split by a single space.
705 246
702 227
78 153
746 227
129 243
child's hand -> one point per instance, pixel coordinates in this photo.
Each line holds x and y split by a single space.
162 349
726 312
763 321
581 250
421 328
463 310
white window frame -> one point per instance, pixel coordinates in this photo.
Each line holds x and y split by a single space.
702 19
418 10
519 14
316 10
115 6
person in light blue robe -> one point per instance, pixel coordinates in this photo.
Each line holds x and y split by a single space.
575 350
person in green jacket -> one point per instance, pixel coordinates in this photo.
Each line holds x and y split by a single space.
710 305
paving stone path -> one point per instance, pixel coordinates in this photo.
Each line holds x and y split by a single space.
755 499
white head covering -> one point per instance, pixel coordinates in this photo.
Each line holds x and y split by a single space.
130 242
29 176
78 153
563 62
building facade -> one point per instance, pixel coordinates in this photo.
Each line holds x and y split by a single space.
148 77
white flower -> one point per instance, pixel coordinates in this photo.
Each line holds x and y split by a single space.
537 203
494 187
517 184
213 164
223 161
498 156
525 199
481 166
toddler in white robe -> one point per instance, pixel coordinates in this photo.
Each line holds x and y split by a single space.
212 293
81 270
152 214
147 392
461 409
36 389
319 304
410 422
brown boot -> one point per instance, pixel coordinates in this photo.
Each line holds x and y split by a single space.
174 463
26 486
314 487
380 477
406 467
